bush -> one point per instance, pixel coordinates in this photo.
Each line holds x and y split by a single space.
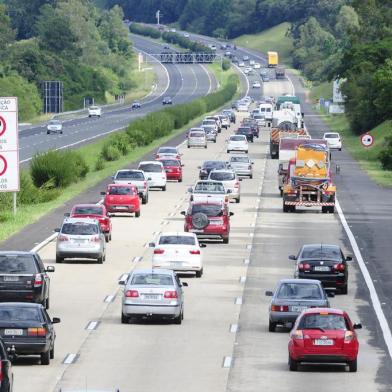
110 152
99 164
385 155
226 64
144 30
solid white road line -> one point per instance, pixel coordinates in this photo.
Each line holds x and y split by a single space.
227 362
109 298
368 280
45 242
209 78
92 325
137 259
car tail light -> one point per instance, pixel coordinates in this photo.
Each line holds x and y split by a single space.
170 294
159 251
145 184
339 267
36 331
237 185
1 371
297 334
304 266
279 308
95 239
194 252
38 280
132 294
348 336
63 238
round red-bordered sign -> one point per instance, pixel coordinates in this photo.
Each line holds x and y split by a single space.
3 165
3 126
367 140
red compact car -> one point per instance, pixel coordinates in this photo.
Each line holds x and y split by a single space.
94 211
120 198
173 168
208 220
324 335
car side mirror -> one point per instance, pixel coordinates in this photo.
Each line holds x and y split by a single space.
56 320
57 230
269 293
182 165
183 213
231 213
349 258
190 190
67 214
228 191
252 163
203 245
151 245
199 167
240 179
330 294
50 268
103 193
292 257
357 326
184 284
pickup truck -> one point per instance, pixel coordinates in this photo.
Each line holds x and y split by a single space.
211 191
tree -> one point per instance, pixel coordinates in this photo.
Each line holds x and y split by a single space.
7 35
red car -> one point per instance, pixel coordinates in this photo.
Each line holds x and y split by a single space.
173 168
120 198
208 220
94 211
324 335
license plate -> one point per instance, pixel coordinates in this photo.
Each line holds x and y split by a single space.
176 264
11 278
196 231
151 296
14 332
323 342
298 308
321 268
215 223
79 241
121 208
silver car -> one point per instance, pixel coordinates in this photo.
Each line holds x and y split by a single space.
152 293
134 177
197 138
291 297
55 126
211 133
242 165
230 180
80 238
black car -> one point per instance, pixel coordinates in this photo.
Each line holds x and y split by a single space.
231 114
24 278
249 122
210 165
136 105
167 101
26 329
247 131
7 376
325 263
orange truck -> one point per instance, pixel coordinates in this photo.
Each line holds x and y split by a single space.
279 133
308 182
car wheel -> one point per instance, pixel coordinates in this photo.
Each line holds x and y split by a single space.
48 132
205 146
164 188
59 259
324 209
285 208
61 132
271 326
246 151
215 141
251 176
199 274
352 365
46 303
137 214
124 319
45 358
293 364
100 259
331 210
344 289
51 353
228 151
180 179
110 236
107 237
189 146
238 200
225 240
145 199
178 320
281 192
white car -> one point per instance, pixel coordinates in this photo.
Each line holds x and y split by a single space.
155 173
241 64
209 191
230 180
94 111
334 140
186 35
54 126
257 66
133 177
178 251
237 143
168 152
243 106
245 58
248 70
251 62
256 84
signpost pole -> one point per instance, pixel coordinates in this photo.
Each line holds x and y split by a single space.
14 203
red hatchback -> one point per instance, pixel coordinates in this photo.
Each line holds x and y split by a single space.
324 335
94 211
120 198
173 168
208 220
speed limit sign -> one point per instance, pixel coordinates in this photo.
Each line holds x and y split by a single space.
367 140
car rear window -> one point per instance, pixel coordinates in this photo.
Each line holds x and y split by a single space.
120 190
150 168
129 175
324 252
239 159
325 321
20 313
176 240
208 129
17 264
170 162
299 291
331 136
197 134
214 164
152 279
238 138
209 188
87 210
244 130
208 209
209 122
79 229
222 176
167 150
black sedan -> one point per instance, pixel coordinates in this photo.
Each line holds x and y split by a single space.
24 278
325 263
7 376
26 329
167 101
209 166
246 131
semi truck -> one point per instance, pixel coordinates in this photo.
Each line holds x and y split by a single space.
279 73
308 182
278 133
273 59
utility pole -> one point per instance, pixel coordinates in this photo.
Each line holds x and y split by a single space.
157 15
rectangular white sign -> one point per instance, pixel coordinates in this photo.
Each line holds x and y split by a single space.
337 92
9 145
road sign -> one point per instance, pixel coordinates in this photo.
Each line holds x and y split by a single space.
9 143
367 140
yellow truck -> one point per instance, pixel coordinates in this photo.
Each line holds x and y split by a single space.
308 182
273 59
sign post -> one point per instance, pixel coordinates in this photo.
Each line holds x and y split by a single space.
9 147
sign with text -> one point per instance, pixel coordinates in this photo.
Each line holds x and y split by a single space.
9 145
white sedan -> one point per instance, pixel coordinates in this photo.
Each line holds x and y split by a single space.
237 143
241 64
178 251
256 84
94 111
334 140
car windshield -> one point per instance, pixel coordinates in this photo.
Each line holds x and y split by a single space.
167 150
299 291
150 168
79 229
325 321
214 165
129 175
239 159
176 240
17 264
120 190
19 313
321 252
208 209
237 138
170 162
196 134
209 187
152 279
88 210
54 122
222 176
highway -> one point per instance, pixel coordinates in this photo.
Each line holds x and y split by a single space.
223 343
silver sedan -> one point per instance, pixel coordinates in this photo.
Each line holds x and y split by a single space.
152 293
242 165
